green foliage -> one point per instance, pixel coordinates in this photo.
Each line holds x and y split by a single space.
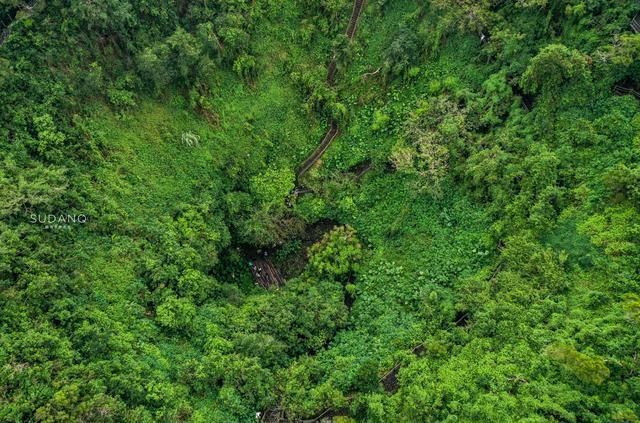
587 368
174 313
337 254
434 130
627 50
401 53
616 230
273 186
631 307
623 183
48 137
35 186
120 93
496 100
553 66
246 66
181 59
500 279
311 209
380 120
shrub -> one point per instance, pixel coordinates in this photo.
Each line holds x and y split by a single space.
337 254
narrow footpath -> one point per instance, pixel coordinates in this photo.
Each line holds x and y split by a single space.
334 130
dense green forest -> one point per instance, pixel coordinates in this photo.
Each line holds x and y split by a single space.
319 210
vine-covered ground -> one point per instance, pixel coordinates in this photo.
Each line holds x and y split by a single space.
466 248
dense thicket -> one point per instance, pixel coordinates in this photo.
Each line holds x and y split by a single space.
469 250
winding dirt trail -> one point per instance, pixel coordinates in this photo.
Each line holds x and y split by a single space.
350 32
278 415
358 6
334 130
331 134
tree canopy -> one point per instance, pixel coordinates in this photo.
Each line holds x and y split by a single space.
465 245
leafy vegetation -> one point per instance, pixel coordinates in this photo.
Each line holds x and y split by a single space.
467 249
